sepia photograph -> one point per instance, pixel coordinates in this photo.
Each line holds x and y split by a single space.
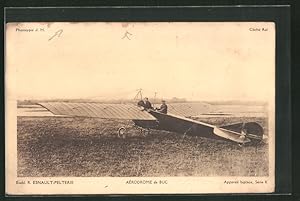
140 107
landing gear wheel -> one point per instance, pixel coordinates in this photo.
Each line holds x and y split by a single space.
121 132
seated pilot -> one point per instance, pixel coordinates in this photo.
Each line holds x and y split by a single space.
145 104
163 108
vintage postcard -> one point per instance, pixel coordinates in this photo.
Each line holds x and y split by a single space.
140 108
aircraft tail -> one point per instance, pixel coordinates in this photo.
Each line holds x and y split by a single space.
250 130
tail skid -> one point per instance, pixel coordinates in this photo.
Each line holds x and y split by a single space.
231 135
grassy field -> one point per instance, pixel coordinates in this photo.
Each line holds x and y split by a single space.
62 146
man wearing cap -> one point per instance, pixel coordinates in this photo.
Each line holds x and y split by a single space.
163 108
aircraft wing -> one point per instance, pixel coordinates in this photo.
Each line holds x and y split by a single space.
99 110
193 109
188 109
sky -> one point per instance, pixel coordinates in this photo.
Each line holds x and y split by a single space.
192 60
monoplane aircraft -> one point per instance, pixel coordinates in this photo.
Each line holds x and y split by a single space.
176 120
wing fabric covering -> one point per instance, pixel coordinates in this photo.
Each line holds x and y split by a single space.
105 111
188 109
